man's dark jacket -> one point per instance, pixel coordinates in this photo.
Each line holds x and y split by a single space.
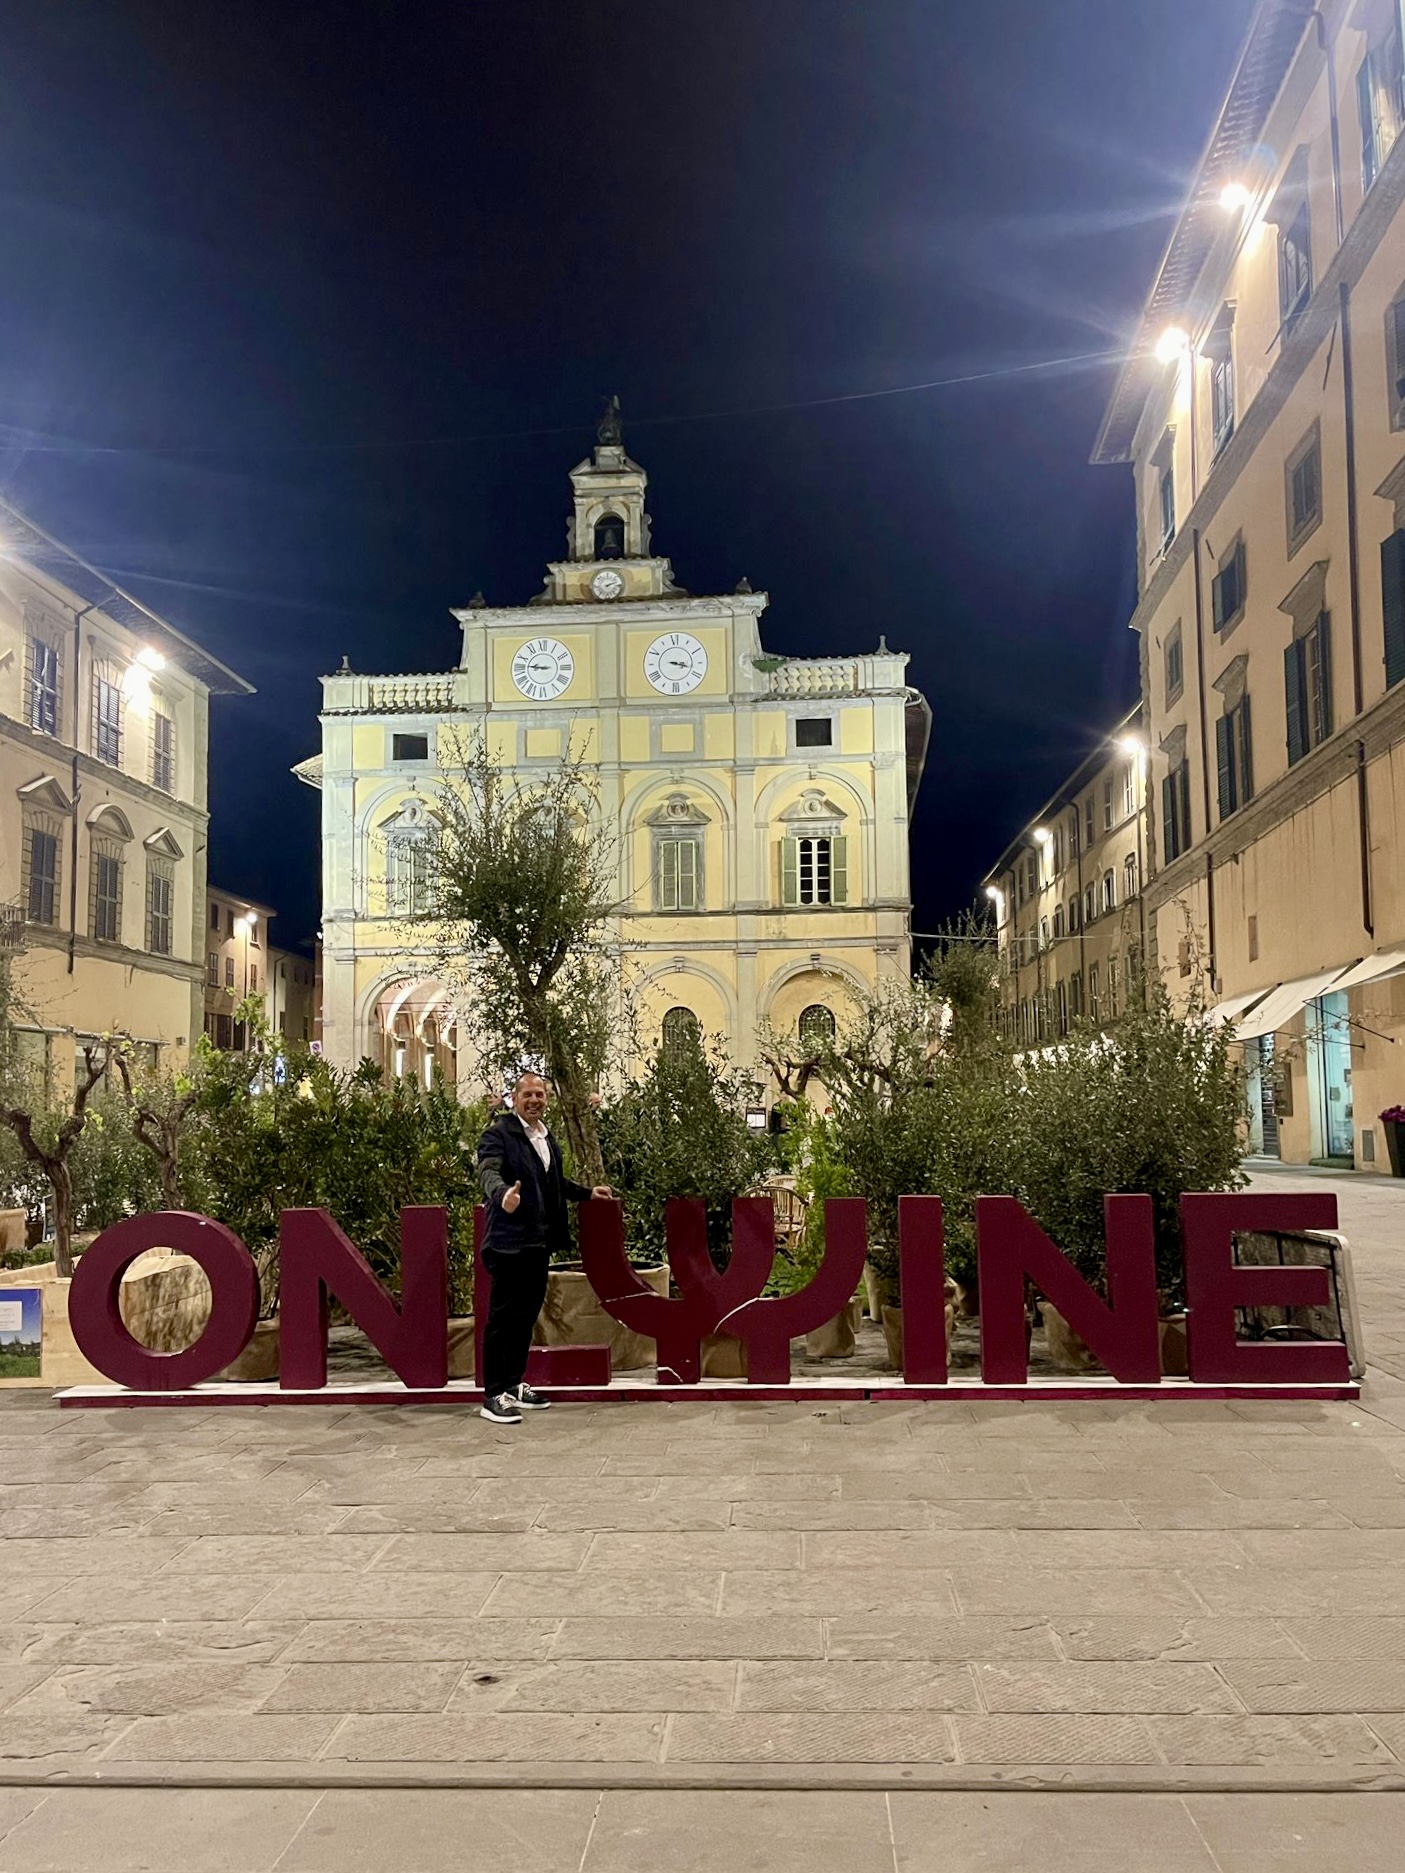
506 1156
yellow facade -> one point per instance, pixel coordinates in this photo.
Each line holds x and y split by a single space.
1263 415
104 712
760 804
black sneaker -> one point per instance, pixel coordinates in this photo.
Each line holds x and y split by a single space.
501 1409
528 1400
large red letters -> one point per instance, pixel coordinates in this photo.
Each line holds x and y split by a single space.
318 1261
96 1318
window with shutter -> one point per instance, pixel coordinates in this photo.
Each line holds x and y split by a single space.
677 872
1228 588
163 752
1304 474
1294 686
43 658
105 885
1224 762
160 907
1318 647
41 883
1295 267
1393 605
1395 361
790 871
839 870
107 717
1236 782
1175 669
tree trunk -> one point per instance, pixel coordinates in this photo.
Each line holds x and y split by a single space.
62 1185
578 1122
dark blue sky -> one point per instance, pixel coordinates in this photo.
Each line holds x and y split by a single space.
283 286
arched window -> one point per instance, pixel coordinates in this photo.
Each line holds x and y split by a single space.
1058 923
1090 905
1109 890
816 1027
681 1033
609 537
409 860
1129 877
1075 916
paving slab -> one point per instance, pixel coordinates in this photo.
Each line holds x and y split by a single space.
167 1830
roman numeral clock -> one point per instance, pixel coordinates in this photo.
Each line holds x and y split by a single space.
542 669
675 663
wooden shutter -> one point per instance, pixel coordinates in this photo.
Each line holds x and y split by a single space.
1168 817
1244 753
1183 803
1217 599
1393 595
687 880
1397 349
839 870
1366 110
1294 687
1322 648
790 871
1224 760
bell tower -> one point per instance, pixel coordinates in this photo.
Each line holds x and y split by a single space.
607 537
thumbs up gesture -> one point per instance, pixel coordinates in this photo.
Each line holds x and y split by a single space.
511 1198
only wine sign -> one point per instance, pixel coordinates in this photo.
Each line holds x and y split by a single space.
1119 1322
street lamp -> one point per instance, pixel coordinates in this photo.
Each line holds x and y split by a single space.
1235 197
1173 343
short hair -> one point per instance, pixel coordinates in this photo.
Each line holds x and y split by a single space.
528 1073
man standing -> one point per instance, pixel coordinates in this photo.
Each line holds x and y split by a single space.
526 1193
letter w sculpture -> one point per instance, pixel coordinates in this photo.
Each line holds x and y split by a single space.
730 1302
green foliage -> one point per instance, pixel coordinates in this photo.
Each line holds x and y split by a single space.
1154 1107
523 903
810 1149
112 1175
928 1100
681 1131
285 1130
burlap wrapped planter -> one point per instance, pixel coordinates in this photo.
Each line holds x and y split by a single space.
573 1316
835 1339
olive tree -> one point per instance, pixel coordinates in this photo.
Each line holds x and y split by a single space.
524 922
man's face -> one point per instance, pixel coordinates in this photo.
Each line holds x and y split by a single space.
529 1099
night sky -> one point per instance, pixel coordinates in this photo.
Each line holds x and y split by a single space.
306 310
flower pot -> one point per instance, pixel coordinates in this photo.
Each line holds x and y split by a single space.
573 1316
1395 1145
893 1333
461 1350
723 1357
1067 1349
873 1292
1174 1364
835 1339
259 1359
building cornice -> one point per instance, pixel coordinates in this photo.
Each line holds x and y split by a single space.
53 753
530 618
1330 764
45 936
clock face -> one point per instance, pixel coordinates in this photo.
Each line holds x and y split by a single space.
542 669
607 584
675 663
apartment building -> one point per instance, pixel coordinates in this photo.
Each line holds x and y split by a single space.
237 964
1262 411
104 734
1067 895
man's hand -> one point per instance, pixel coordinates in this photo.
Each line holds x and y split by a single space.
602 1190
511 1198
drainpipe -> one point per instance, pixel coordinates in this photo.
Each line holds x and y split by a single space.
78 618
1204 756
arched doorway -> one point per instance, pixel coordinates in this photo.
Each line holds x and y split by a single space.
414 1032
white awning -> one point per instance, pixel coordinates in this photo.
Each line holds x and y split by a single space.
1278 1007
1224 1012
1373 969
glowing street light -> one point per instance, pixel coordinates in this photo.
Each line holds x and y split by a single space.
1173 343
1235 197
1132 744
1042 836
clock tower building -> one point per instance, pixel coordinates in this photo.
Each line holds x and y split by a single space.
760 803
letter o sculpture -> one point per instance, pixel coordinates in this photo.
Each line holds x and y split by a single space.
96 1318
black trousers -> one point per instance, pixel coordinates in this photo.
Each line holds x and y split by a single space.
519 1290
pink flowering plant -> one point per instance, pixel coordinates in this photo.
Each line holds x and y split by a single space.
1393 1115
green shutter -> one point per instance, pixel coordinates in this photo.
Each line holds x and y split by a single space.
790 871
1224 757
687 874
839 871
1217 599
1244 752
1322 644
1183 779
1293 684
1393 597
1168 818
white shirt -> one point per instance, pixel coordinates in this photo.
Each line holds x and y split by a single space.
537 1133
